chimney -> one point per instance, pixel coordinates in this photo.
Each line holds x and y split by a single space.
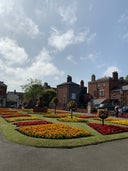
115 75
121 78
82 83
69 78
93 78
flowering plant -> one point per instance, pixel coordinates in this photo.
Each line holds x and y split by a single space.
103 114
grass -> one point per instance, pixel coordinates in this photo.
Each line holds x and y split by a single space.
8 130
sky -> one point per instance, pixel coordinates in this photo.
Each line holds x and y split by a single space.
50 39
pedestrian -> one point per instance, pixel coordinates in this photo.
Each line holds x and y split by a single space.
116 110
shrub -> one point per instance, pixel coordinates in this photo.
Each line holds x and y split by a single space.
103 114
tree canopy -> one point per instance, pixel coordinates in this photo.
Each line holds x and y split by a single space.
34 89
126 78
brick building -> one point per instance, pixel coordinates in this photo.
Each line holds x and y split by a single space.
109 89
3 94
71 91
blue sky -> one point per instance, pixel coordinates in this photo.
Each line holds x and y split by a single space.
50 39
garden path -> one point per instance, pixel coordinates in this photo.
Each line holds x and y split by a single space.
102 157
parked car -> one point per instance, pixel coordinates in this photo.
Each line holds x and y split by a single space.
95 107
108 106
123 109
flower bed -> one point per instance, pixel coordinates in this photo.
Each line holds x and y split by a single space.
107 119
53 131
25 123
56 115
14 115
87 116
67 119
122 122
9 113
14 119
123 115
108 129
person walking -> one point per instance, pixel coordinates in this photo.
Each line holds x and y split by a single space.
116 110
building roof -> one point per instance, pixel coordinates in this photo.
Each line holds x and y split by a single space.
2 84
98 101
67 83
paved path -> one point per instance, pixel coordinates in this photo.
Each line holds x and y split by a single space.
110 156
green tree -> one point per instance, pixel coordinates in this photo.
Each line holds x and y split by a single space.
126 78
72 106
49 94
55 100
32 90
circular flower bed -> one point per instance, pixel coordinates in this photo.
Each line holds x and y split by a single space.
53 131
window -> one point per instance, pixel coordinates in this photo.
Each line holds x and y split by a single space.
101 92
73 96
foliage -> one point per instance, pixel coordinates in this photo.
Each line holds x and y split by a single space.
103 115
49 94
55 100
126 78
72 105
32 91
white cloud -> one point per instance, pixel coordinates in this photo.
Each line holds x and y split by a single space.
13 20
90 38
91 6
68 14
11 53
18 67
109 71
61 40
42 66
123 21
91 57
123 17
100 66
71 59
6 7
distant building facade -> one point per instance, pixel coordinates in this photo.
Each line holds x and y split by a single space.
69 90
109 89
3 94
14 99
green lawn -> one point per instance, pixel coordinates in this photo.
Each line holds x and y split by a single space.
8 130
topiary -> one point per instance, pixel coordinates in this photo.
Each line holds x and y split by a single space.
103 115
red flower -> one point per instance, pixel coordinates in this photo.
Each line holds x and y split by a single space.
108 129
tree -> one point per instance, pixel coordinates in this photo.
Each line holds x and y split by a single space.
72 105
55 101
103 114
126 78
32 90
49 94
